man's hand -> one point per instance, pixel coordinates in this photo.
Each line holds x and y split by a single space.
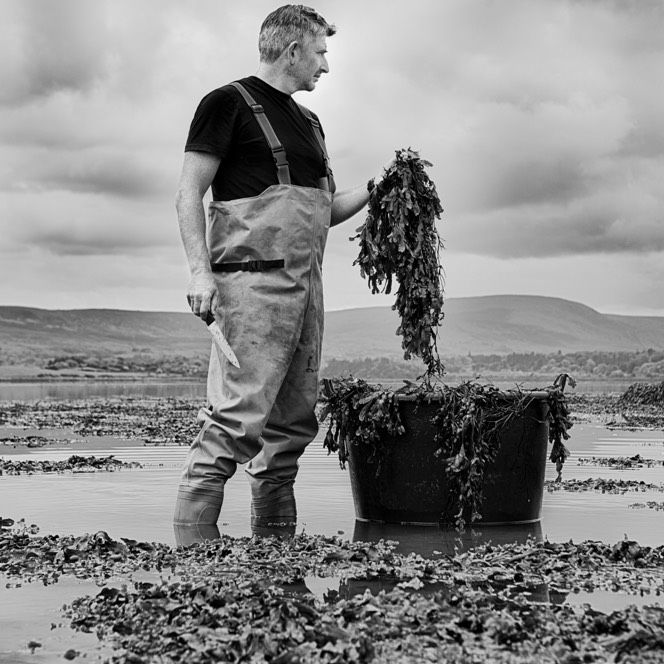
202 294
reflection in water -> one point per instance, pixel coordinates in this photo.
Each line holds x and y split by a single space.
33 612
347 588
273 526
27 391
424 540
183 388
428 541
331 589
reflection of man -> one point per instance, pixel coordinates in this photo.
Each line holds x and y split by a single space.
259 270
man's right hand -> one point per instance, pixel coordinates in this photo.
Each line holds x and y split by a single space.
202 294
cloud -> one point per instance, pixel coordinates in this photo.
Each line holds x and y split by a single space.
50 46
542 119
135 49
110 171
515 156
97 95
625 280
52 281
75 224
606 222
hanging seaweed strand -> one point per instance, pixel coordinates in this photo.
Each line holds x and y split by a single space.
399 241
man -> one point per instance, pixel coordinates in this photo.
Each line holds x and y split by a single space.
257 268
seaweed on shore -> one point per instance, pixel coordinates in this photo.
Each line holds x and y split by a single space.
651 504
643 394
603 485
158 420
74 464
245 599
620 463
27 441
253 621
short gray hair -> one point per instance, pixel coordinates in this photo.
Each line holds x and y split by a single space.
288 24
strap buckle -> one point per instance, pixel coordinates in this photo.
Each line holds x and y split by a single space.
279 155
254 266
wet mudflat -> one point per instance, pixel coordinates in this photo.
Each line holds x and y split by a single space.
526 596
318 598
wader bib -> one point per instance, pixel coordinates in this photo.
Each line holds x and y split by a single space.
266 254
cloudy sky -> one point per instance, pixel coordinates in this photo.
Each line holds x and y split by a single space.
543 121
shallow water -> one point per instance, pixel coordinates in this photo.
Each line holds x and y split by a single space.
138 504
32 612
602 600
28 391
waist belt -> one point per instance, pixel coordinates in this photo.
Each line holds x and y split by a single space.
248 266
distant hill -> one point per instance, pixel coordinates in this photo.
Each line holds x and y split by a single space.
493 324
497 324
62 331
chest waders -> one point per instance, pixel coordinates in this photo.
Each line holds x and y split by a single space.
265 253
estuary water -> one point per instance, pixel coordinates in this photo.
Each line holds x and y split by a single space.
29 391
138 504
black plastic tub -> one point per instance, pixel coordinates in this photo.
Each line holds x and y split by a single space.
410 484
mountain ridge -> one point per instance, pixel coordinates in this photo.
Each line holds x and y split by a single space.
499 324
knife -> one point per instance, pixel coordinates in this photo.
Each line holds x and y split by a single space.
220 339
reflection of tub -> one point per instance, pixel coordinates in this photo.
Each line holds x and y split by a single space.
424 540
430 541
410 484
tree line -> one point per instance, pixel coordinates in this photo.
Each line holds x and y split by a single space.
581 364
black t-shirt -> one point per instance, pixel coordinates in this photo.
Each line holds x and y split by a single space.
225 126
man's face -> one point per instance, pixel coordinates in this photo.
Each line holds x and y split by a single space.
311 63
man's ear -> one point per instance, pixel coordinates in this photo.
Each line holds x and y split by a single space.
292 51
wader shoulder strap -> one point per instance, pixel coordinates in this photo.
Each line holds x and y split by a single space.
278 152
315 125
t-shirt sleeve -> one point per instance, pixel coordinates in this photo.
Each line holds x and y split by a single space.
211 129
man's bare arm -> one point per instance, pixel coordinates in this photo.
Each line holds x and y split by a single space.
198 171
350 201
347 203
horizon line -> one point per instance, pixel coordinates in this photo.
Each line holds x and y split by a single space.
355 308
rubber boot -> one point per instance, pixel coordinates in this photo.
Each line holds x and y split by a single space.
273 510
188 535
196 514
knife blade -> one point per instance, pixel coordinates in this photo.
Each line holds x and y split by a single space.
220 340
